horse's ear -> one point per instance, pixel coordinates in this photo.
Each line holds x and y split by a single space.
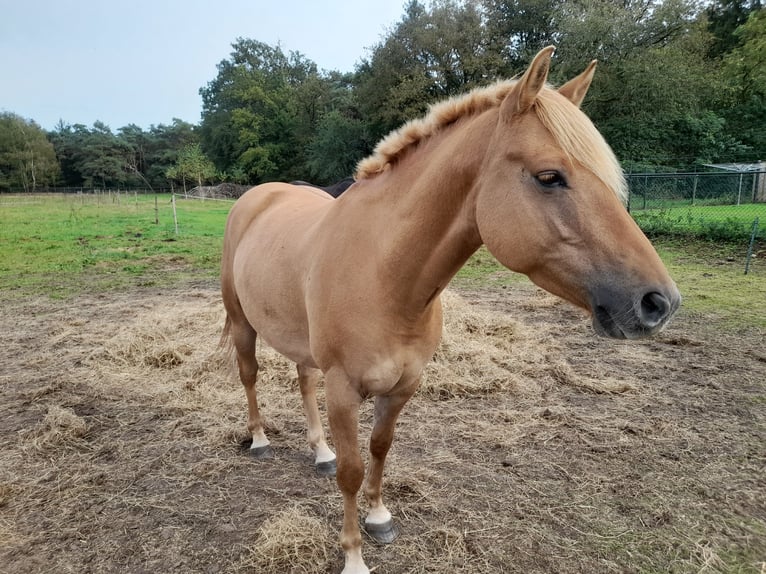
576 88
523 96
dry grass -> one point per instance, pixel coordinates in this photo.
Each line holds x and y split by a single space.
532 446
60 428
483 352
290 534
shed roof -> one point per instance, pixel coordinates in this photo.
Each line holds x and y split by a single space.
739 167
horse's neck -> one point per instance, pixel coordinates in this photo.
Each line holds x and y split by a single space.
424 207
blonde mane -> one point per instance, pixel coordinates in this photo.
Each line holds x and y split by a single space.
440 115
574 132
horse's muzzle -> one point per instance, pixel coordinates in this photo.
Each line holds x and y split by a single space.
627 316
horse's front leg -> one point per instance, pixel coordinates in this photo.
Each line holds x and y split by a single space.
379 523
343 403
324 457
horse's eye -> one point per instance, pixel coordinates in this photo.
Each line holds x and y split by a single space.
551 179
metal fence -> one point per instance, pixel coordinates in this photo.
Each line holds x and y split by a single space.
728 206
662 190
99 195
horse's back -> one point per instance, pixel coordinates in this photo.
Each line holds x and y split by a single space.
267 198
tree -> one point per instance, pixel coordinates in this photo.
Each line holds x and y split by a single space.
746 63
259 112
97 157
338 146
94 157
105 158
191 165
653 77
27 158
745 73
724 18
517 30
432 53
163 144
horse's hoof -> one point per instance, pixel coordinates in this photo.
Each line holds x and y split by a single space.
384 533
262 452
326 468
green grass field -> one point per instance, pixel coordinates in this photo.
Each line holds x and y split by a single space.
59 246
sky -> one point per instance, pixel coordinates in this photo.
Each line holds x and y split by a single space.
144 61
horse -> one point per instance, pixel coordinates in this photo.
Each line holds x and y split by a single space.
350 287
335 189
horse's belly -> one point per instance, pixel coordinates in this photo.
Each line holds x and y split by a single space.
273 304
288 344
280 329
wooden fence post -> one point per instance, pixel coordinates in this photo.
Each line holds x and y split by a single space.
175 217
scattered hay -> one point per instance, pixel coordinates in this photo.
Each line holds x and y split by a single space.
565 375
451 544
60 427
164 359
9 536
705 560
155 344
290 541
535 459
483 353
472 356
6 492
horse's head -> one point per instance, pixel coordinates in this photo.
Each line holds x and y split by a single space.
550 205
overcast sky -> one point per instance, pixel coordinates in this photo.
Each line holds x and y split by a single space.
143 61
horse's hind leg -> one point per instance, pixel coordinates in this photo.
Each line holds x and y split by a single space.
325 458
243 336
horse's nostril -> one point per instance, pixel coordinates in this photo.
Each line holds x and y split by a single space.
654 308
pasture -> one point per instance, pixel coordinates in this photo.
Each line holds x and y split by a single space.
533 446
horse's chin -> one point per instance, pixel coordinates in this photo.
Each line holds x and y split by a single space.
605 325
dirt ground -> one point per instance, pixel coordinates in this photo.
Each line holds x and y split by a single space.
532 447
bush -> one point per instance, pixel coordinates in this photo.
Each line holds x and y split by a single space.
664 223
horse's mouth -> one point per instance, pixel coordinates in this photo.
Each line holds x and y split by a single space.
605 325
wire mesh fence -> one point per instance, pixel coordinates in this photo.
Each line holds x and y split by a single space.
661 190
716 206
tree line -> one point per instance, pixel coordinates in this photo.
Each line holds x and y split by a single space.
679 85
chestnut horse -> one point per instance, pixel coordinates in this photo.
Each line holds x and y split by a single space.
350 287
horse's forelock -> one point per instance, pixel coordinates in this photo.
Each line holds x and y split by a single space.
580 140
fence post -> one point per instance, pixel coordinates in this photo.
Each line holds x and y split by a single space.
739 192
694 189
646 184
760 185
750 247
175 217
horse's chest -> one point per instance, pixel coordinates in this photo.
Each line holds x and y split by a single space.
380 361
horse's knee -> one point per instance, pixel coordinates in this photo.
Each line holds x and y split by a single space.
349 475
379 446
